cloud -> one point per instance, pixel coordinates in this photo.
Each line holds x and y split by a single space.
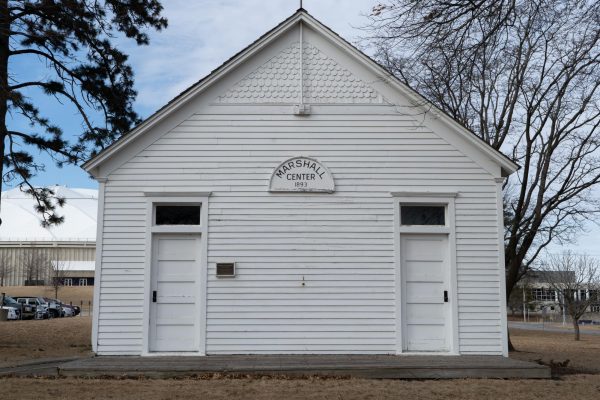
203 34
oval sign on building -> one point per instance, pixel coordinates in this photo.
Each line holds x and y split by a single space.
301 174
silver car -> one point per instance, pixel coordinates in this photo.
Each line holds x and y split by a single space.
38 305
14 308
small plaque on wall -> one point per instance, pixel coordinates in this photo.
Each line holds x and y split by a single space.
225 270
301 174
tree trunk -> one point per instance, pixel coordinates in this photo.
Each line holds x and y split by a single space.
510 345
4 52
576 328
513 263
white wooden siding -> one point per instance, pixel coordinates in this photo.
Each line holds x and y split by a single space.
339 245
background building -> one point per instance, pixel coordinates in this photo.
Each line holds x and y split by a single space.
28 251
536 294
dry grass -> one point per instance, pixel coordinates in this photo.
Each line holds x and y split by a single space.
583 356
66 294
33 339
581 387
532 345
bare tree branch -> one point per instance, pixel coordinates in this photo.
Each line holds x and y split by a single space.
524 75
576 279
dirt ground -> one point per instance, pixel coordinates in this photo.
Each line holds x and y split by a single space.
75 333
583 356
580 387
35 339
66 294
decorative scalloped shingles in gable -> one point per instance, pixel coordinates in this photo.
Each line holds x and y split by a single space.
325 81
278 81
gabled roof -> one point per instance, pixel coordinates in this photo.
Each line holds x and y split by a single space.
541 276
300 16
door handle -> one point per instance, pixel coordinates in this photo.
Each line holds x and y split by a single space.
445 296
154 296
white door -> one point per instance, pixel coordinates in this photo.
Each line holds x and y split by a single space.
174 308
425 277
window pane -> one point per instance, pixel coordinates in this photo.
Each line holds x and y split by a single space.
543 294
177 215
422 215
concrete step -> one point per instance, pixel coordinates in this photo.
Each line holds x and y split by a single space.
374 367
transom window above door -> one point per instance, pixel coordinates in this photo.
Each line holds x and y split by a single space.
413 214
177 214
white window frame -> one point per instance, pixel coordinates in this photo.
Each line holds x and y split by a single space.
174 198
446 199
68 282
84 280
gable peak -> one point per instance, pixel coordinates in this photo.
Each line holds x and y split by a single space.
323 80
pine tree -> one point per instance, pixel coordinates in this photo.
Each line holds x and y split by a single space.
76 42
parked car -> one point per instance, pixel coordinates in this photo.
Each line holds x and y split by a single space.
68 310
42 313
13 313
53 306
30 305
43 308
14 308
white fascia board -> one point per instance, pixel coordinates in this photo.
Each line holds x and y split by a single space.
208 81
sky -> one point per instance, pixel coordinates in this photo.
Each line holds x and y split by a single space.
202 34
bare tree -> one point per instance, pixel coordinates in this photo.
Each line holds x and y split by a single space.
576 279
524 76
57 272
35 265
6 268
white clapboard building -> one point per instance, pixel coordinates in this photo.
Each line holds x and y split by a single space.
299 199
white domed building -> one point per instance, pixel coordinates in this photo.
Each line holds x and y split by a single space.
28 250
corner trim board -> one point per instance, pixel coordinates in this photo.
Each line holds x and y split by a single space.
98 266
502 268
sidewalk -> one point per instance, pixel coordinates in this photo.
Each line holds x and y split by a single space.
39 367
554 327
